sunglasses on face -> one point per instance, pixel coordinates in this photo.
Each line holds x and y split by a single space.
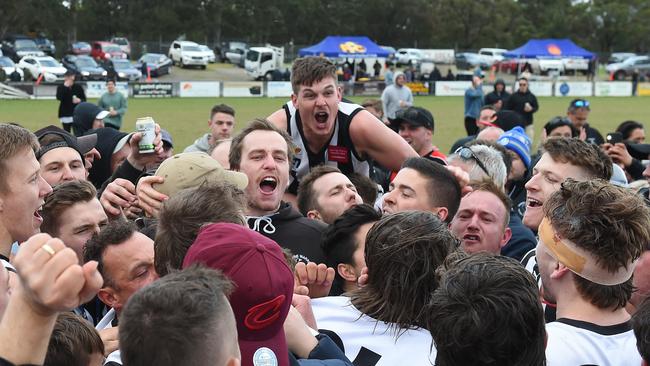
467 154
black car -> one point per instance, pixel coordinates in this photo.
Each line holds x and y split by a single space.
122 70
157 63
17 47
84 67
45 45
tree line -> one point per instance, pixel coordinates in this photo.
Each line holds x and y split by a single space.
598 25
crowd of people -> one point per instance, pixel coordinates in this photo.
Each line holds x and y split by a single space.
326 234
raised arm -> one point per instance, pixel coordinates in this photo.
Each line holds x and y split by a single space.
375 140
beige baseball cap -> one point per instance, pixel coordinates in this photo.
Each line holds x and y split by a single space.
191 169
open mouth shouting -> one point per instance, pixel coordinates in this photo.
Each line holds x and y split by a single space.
37 215
268 184
533 203
321 119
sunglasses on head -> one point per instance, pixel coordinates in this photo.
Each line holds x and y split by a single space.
581 103
467 154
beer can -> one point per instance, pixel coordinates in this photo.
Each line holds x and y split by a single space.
146 126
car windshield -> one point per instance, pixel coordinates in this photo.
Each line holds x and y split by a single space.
6 62
81 45
121 64
252 55
152 58
191 48
25 44
120 41
204 48
111 48
48 62
86 62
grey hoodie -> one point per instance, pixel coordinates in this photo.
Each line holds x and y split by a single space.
392 95
201 144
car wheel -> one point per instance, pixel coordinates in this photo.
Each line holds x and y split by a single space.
181 64
620 75
203 67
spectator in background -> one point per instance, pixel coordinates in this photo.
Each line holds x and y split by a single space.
221 124
559 127
374 106
416 125
377 68
641 326
499 96
115 103
86 117
525 103
69 94
473 104
486 118
632 131
577 113
396 96
389 76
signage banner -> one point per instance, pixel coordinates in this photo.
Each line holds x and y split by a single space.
573 89
152 90
199 89
242 89
278 89
452 88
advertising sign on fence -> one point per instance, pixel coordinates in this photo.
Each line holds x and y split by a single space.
199 89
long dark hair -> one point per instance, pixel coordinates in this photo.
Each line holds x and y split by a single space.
403 252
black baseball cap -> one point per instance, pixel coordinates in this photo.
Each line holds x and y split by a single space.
415 116
81 144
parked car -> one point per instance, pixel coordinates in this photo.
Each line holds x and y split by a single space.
80 48
185 53
408 56
33 66
622 70
8 66
45 45
470 61
122 70
492 55
123 43
106 50
230 47
84 67
16 47
235 56
157 63
391 54
212 58
620 57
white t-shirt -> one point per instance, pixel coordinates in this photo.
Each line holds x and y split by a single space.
357 331
574 343
106 322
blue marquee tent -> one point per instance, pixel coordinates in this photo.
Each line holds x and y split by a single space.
344 46
549 48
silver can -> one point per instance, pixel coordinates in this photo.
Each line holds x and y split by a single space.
146 126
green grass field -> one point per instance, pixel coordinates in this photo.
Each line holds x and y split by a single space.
186 118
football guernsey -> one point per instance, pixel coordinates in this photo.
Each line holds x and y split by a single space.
370 342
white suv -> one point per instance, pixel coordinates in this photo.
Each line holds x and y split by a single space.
185 53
